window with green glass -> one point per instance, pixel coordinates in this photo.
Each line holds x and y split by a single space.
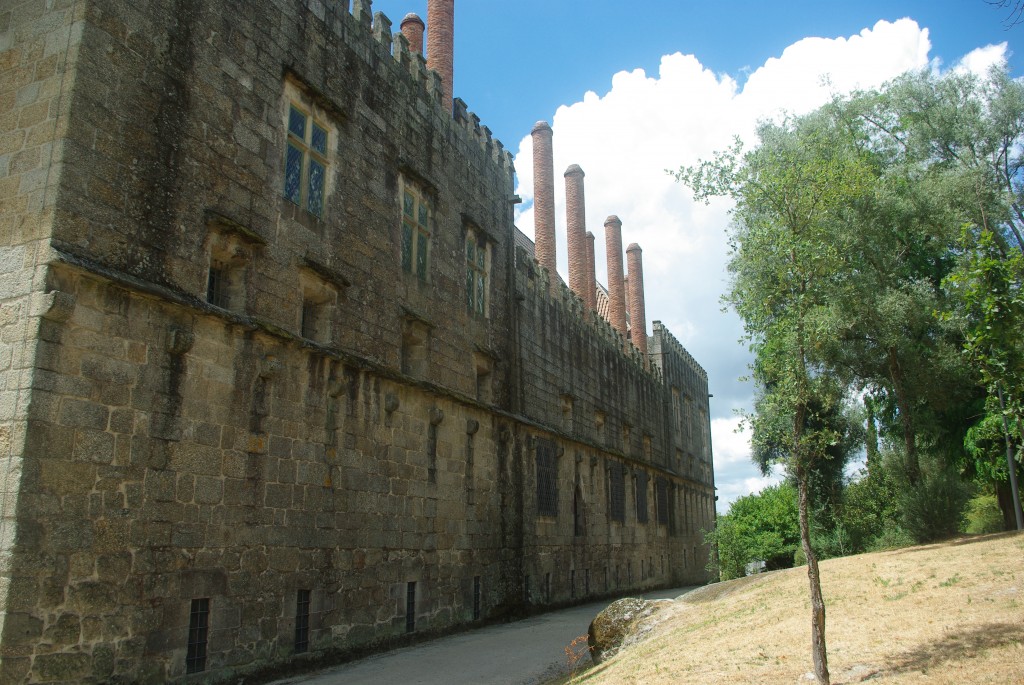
415 232
476 273
305 163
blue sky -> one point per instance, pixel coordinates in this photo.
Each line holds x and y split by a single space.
632 91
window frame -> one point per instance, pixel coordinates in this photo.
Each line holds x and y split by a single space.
310 156
415 229
547 478
477 254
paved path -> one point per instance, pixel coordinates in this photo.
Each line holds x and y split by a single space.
525 652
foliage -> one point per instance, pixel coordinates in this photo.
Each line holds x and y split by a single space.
933 509
983 515
758 527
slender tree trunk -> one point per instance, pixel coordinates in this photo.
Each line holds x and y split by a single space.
871 442
818 647
906 420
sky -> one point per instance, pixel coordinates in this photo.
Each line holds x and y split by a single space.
631 90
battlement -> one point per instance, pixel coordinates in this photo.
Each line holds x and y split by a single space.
665 339
533 283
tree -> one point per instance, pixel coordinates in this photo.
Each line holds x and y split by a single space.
758 527
789 193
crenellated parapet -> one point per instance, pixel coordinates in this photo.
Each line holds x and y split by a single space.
536 289
663 341
370 35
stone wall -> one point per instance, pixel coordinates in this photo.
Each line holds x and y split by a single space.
322 423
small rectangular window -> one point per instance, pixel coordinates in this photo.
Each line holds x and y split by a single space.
217 287
302 622
477 272
476 598
662 494
641 497
198 633
617 492
547 479
410 607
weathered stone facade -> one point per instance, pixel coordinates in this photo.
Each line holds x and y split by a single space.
215 391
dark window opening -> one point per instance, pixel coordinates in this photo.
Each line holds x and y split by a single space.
641 497
579 526
547 586
310 320
572 583
547 479
476 598
410 607
526 588
661 493
617 492
302 622
198 633
217 287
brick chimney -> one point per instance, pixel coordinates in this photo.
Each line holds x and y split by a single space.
591 296
616 291
544 199
412 29
576 227
637 313
440 44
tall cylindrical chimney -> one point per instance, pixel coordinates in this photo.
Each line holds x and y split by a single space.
616 292
544 198
441 43
591 296
412 28
637 313
576 228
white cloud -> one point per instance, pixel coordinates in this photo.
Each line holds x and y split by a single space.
626 138
980 60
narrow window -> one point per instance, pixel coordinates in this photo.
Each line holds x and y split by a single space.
302 622
410 607
310 319
572 583
415 231
526 588
476 598
477 272
217 287
661 486
586 581
547 479
305 163
641 497
579 525
617 492
198 630
547 586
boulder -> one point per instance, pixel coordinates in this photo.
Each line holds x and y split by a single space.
617 623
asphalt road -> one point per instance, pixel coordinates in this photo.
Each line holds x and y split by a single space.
525 652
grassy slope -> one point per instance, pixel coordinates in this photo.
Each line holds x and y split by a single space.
945 613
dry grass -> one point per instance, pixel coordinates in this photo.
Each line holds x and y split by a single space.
944 613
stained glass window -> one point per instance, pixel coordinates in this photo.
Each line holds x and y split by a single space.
305 164
415 232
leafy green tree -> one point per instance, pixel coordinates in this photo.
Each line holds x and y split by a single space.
759 527
789 193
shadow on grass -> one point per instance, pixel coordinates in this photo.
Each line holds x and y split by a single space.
958 542
967 644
